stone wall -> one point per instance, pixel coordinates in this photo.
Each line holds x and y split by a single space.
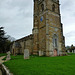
18 46
5 70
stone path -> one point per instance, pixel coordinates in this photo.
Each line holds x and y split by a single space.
1 61
0 72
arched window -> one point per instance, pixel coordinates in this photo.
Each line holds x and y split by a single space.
42 6
53 7
55 40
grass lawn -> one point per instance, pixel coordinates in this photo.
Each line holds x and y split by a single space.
3 54
63 65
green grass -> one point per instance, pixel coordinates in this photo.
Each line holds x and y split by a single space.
63 65
3 54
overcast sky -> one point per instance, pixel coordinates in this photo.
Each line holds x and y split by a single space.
17 18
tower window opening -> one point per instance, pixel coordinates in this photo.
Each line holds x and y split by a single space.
42 6
53 7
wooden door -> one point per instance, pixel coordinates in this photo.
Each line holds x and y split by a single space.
55 52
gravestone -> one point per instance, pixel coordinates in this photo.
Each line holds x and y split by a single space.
72 51
40 53
26 54
8 55
68 51
57 52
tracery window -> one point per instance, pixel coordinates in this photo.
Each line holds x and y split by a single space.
55 40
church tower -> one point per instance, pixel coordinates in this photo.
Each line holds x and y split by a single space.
47 29
35 29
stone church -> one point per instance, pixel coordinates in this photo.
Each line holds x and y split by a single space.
47 35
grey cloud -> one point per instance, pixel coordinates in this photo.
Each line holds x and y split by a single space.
70 34
70 38
17 18
68 20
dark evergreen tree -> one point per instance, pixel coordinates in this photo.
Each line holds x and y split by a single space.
2 40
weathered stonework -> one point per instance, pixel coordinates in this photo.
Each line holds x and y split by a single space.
47 38
26 54
48 25
20 45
